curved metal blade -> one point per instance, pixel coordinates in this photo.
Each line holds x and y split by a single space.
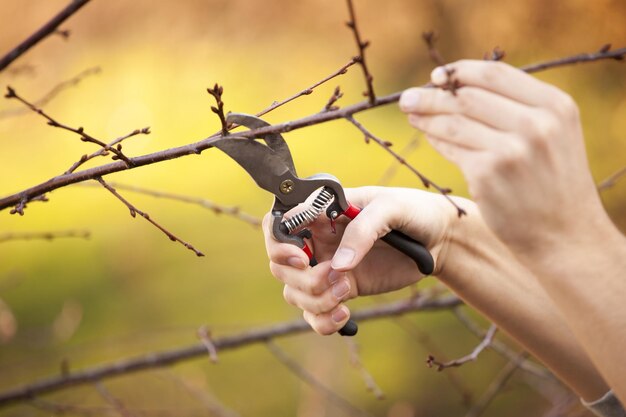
274 140
265 166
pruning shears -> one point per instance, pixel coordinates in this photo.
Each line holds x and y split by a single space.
272 168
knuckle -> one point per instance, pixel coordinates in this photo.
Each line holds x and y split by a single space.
465 99
288 295
453 127
492 72
565 106
516 153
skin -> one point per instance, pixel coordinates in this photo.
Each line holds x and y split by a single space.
536 253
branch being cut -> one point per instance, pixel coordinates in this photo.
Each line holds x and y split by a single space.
134 211
222 344
196 148
43 32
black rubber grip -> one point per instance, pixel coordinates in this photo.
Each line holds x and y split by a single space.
413 249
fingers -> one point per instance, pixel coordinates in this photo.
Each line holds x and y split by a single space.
328 323
360 235
319 292
488 108
499 78
282 253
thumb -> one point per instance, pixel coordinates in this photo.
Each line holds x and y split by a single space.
359 237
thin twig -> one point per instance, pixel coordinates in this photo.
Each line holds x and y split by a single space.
167 358
195 148
503 349
612 179
84 136
233 211
387 147
430 38
82 234
494 388
19 207
404 153
307 377
47 29
112 401
217 91
361 46
134 211
54 91
205 337
308 90
330 105
484 344
604 53
355 360
104 152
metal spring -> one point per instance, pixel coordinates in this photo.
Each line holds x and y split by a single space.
308 216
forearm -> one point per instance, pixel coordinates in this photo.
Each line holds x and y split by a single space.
584 275
481 270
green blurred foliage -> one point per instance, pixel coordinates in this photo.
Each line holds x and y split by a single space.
129 290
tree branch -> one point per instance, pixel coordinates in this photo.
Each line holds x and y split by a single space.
233 211
54 91
41 33
307 377
196 148
484 344
387 147
84 136
82 234
361 45
612 179
167 358
134 211
495 387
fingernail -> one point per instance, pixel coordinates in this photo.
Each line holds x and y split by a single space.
296 262
439 76
334 276
340 314
409 99
341 289
343 257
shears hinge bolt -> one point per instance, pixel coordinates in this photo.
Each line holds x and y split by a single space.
286 186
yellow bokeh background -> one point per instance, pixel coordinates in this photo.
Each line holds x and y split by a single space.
135 292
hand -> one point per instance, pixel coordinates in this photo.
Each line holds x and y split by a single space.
519 144
353 261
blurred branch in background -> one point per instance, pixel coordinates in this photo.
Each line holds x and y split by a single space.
612 180
484 344
216 208
82 234
54 92
168 358
49 28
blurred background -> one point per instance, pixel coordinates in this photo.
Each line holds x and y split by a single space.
128 290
